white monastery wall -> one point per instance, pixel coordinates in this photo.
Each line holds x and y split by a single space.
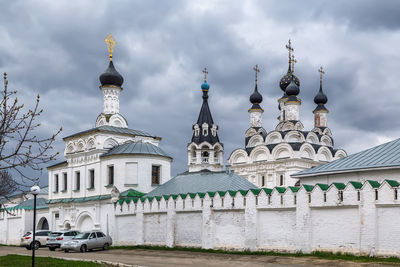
353 220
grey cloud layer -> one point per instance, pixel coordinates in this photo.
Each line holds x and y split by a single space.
56 48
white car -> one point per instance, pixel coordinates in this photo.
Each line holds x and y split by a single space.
57 238
40 239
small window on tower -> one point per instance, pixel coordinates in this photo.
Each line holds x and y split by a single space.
205 131
56 183
91 179
77 181
111 175
155 175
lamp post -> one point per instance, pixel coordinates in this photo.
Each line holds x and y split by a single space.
35 190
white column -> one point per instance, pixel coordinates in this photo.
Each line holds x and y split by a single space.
250 216
140 224
171 225
368 227
207 241
303 222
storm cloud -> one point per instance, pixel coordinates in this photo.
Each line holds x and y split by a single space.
57 49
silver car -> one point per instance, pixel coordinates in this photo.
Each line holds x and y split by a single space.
57 238
87 241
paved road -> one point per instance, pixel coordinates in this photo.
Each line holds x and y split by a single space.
156 258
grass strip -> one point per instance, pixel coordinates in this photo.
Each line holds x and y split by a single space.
316 254
18 260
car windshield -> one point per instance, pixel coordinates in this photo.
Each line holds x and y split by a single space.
54 234
82 236
27 233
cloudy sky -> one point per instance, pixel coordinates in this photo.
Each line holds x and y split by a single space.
57 49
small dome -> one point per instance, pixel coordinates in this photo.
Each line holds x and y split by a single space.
111 76
256 97
205 86
285 80
292 89
320 98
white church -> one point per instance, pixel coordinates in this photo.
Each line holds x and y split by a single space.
283 191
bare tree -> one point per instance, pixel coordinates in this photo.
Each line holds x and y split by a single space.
22 152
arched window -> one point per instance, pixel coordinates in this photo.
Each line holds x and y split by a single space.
204 157
281 180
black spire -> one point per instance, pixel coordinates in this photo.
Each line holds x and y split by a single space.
320 99
205 117
256 98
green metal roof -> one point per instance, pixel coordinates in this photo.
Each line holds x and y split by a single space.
28 204
374 184
136 148
78 199
393 183
357 185
203 181
385 155
339 186
308 187
112 129
131 193
323 187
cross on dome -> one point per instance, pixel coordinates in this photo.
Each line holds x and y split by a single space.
293 62
110 41
290 49
205 74
321 72
257 70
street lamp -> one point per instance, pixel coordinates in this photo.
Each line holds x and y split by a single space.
35 190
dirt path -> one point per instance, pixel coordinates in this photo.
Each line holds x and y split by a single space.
157 258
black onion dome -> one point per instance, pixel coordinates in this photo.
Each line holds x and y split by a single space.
111 76
320 98
256 97
292 89
285 80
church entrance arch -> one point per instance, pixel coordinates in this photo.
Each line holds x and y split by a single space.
43 224
85 222
67 226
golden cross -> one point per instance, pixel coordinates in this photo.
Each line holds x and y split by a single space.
257 70
293 62
290 49
205 74
321 72
110 41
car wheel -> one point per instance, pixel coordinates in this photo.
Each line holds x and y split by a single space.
35 245
106 246
83 248
52 249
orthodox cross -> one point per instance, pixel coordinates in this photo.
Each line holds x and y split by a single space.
321 72
110 41
293 62
205 74
290 49
257 70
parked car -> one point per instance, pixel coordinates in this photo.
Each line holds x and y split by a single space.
40 239
87 241
57 238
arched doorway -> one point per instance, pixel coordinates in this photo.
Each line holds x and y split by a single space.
43 224
85 223
67 226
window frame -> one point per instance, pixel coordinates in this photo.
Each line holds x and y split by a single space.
110 174
91 179
156 181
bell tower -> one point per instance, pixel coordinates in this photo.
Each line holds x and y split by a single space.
205 151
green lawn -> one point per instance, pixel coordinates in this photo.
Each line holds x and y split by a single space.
22 261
